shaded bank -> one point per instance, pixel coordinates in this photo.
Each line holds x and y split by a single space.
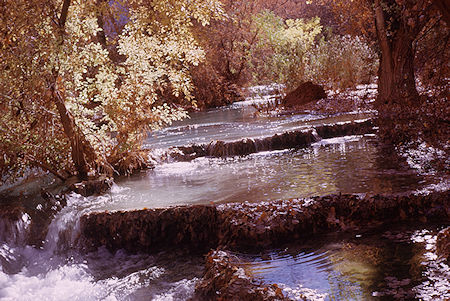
254 225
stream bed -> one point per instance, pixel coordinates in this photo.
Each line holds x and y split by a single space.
54 270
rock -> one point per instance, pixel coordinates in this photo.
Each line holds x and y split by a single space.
12 223
91 187
254 225
152 230
305 93
443 244
292 139
225 280
361 127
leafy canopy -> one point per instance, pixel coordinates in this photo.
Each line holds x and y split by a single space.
113 89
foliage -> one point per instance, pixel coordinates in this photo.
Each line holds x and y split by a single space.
114 102
230 43
227 43
342 62
288 42
294 51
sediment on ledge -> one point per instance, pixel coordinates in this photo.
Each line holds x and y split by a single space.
194 227
255 225
293 139
223 279
250 225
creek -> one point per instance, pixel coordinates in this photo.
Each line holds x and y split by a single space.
52 268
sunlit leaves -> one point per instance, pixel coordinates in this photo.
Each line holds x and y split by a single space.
113 101
288 41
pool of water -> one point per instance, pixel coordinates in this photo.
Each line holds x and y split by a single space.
352 164
389 265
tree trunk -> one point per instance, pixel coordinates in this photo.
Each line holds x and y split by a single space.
83 154
396 80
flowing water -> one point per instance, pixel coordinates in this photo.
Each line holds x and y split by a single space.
53 269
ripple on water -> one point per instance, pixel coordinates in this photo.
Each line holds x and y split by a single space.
396 265
349 164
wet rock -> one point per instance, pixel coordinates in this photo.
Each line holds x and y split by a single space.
225 280
13 223
257 225
292 139
345 129
443 244
305 93
53 202
188 153
151 230
91 187
25 219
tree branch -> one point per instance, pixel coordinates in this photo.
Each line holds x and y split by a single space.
64 13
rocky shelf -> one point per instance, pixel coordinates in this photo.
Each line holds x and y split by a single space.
243 226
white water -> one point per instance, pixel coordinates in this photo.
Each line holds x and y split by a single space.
57 271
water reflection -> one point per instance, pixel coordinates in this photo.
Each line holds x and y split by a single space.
338 165
370 266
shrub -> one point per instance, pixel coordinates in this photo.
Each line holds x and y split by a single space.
341 62
294 51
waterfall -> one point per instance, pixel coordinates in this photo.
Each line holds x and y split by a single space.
14 230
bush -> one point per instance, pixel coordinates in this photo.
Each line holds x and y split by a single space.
280 55
294 51
341 62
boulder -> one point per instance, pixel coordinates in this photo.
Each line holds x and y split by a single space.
224 279
91 187
305 93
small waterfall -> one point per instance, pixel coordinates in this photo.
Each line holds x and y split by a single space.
64 230
316 135
14 230
299 138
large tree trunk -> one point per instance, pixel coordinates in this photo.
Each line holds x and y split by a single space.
396 80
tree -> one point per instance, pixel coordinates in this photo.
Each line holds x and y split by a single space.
78 97
397 25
